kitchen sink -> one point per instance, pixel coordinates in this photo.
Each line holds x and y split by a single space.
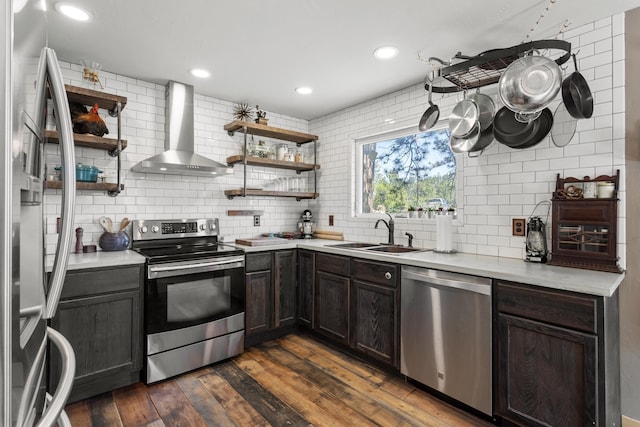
353 245
393 249
389 249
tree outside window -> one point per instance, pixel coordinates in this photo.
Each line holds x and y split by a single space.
404 173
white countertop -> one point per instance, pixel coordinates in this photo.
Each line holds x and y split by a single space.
98 259
570 279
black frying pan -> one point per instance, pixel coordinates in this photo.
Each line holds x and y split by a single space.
509 131
576 94
545 123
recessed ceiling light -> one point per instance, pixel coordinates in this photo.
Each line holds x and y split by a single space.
73 12
200 73
304 90
386 52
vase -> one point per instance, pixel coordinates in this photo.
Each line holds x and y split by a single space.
110 242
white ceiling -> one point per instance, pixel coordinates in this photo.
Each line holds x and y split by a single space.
259 51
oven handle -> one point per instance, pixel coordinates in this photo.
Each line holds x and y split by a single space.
157 271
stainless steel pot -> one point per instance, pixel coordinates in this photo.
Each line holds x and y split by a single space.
463 119
529 84
486 109
465 144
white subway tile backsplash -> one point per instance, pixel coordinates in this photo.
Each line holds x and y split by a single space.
598 34
499 185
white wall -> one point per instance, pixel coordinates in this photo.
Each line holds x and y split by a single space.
156 196
502 183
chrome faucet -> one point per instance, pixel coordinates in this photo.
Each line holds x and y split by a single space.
390 225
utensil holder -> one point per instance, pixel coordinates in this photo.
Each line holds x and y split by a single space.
111 242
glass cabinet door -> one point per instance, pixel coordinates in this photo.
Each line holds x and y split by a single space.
583 238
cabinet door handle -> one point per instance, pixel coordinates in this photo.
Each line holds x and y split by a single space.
387 275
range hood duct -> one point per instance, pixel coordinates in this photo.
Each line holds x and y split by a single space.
179 157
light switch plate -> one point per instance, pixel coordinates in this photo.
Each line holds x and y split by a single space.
518 226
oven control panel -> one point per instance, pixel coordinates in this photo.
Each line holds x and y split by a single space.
152 229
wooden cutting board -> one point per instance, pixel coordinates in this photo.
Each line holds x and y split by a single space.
329 235
262 241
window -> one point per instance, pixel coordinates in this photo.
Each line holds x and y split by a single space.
405 170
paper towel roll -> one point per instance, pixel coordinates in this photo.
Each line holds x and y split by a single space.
444 233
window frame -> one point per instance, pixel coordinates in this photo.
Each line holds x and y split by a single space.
392 134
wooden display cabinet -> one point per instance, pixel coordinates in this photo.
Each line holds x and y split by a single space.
584 229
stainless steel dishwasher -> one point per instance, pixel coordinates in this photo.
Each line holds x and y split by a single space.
445 338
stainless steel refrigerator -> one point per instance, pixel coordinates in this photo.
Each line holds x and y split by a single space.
29 77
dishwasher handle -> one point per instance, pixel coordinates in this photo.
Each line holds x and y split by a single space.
479 285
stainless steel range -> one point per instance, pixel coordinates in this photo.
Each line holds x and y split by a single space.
194 295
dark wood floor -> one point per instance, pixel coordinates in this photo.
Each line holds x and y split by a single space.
293 381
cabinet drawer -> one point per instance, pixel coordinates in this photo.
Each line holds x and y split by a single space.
376 272
79 283
574 311
333 264
592 212
258 262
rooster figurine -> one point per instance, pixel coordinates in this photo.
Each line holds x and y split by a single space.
90 122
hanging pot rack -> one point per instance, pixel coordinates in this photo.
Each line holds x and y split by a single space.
486 68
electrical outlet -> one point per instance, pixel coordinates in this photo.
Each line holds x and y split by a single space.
256 220
518 226
331 220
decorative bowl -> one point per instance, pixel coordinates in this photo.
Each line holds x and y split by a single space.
110 242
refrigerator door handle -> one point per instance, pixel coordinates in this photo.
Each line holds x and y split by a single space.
55 408
33 163
65 132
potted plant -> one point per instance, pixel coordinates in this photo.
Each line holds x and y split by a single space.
412 212
431 213
420 213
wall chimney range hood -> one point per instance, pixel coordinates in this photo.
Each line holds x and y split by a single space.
179 157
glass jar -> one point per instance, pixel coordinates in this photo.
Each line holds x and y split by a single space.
262 150
299 157
282 152
251 149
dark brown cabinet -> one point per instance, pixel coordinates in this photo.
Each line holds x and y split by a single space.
100 313
306 287
284 291
270 295
556 357
258 293
584 230
331 300
375 310
354 302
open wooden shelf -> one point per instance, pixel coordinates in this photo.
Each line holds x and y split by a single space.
106 101
97 186
268 163
88 140
270 132
238 192
89 97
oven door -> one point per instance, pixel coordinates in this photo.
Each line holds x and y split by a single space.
184 294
